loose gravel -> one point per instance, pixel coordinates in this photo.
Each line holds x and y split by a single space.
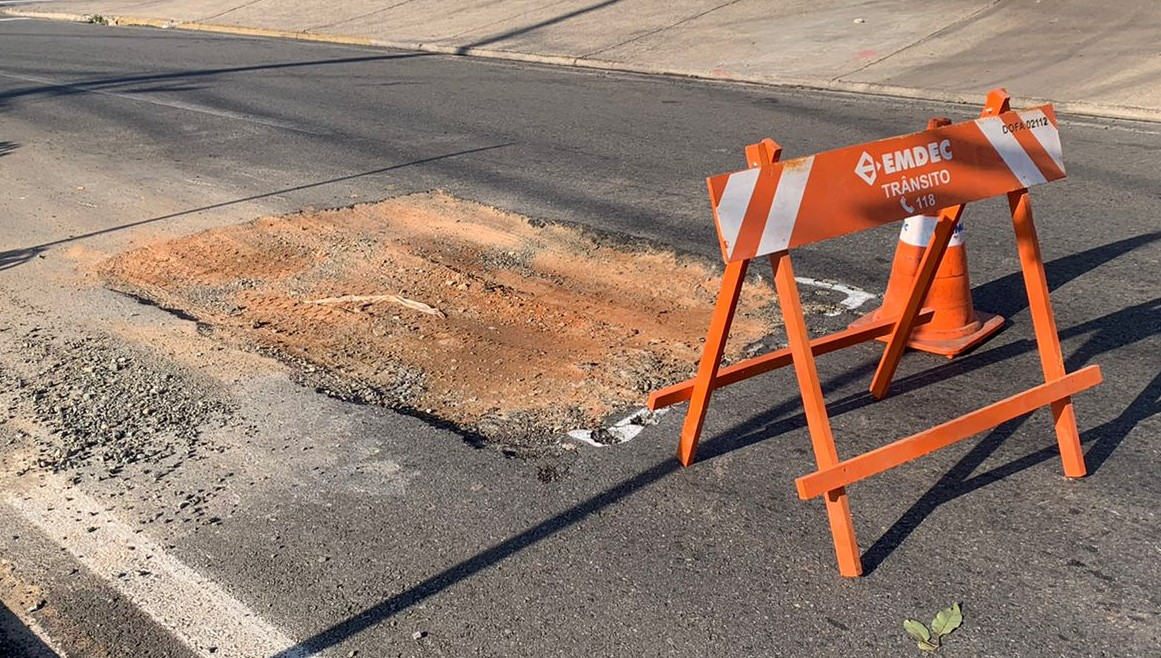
101 405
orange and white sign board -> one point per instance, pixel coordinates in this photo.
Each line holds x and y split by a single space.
775 207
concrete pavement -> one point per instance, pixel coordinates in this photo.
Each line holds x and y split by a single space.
1089 58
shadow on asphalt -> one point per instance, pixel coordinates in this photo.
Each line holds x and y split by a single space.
1102 441
16 639
462 50
449 577
1105 334
14 257
1006 296
107 84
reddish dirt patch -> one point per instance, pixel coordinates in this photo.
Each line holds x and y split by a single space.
504 327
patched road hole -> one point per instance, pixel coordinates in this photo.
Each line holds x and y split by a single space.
504 327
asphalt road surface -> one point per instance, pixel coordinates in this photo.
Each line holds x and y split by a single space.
296 524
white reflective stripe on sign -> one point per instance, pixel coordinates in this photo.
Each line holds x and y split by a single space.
1010 150
784 209
732 206
1045 133
918 229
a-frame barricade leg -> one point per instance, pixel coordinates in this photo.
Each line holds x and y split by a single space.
837 506
777 198
764 152
897 343
711 359
1044 325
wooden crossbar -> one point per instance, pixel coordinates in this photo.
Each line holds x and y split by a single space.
924 279
904 450
682 391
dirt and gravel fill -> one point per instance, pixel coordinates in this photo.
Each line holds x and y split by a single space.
505 328
92 406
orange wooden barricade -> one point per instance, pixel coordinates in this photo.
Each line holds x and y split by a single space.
774 206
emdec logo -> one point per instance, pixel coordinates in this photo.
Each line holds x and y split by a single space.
866 168
896 161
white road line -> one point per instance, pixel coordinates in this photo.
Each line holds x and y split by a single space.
195 609
15 18
1109 125
854 296
623 430
178 105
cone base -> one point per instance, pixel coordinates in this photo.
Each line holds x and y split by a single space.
988 323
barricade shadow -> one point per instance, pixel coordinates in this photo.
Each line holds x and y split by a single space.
16 639
16 257
1006 297
352 626
8 147
1104 334
959 480
1110 332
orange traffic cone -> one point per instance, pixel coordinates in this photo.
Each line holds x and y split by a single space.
956 326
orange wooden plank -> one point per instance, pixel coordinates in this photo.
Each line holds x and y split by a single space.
764 152
711 359
889 456
681 391
923 280
834 193
1044 324
838 509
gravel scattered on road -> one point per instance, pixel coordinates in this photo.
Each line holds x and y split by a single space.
100 405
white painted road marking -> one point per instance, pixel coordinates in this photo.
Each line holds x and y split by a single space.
854 296
623 430
195 609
